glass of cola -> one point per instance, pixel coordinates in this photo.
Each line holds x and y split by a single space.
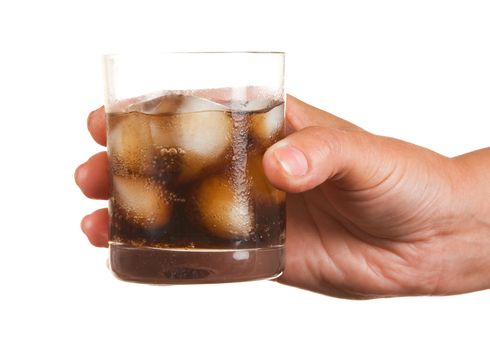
186 136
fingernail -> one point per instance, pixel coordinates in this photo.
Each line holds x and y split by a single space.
86 224
91 118
292 160
80 173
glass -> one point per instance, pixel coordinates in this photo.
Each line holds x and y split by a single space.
186 135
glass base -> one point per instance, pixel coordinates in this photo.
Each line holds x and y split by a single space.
192 266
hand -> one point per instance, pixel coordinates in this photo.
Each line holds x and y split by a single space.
367 216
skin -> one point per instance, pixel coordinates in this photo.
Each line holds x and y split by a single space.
367 216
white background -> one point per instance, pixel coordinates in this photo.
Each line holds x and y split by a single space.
416 70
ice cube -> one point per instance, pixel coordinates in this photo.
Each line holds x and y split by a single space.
143 202
201 138
159 105
250 105
265 127
223 211
240 98
218 95
175 104
129 141
262 190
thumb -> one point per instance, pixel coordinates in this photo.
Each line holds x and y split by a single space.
315 154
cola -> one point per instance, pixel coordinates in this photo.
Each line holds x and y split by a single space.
189 198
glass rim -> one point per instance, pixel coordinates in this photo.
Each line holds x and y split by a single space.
169 53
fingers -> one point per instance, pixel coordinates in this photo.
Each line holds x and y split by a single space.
309 157
93 179
93 176
96 124
300 115
96 227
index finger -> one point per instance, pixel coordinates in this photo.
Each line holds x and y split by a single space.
301 115
96 124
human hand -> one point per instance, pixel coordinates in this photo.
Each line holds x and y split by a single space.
370 216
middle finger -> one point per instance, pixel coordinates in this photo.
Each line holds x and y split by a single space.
93 176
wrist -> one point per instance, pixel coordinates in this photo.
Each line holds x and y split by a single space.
464 246
464 260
